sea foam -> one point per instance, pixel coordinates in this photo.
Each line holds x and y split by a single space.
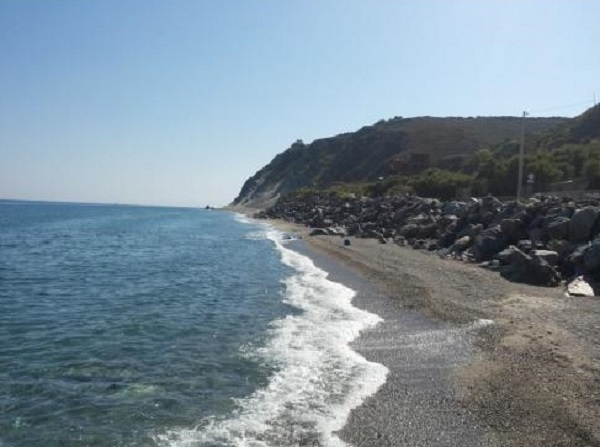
318 378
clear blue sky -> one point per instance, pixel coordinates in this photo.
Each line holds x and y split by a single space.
177 102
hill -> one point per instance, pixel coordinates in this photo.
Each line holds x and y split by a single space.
396 146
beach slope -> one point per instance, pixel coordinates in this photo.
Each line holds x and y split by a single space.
530 378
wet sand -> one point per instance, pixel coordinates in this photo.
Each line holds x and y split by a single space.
532 378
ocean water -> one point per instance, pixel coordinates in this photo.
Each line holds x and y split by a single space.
143 326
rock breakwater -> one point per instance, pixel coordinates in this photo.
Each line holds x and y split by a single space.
545 241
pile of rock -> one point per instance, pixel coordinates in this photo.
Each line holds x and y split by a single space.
541 242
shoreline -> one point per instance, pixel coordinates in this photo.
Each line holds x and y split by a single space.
415 406
531 378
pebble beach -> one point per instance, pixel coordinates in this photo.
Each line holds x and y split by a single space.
473 359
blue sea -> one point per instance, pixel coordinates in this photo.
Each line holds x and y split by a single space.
147 326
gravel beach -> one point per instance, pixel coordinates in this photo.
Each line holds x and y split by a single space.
531 377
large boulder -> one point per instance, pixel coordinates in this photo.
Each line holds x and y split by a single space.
574 262
461 244
409 231
561 246
506 256
530 270
488 243
591 258
551 257
582 223
512 229
453 207
558 227
471 230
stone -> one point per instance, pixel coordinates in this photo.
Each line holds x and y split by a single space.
561 246
530 270
536 234
591 257
418 244
505 257
462 244
453 207
319 232
511 228
525 245
400 240
582 223
558 228
488 243
409 231
494 265
551 257
336 231
446 239
580 287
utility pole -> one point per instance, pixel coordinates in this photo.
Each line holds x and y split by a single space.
521 157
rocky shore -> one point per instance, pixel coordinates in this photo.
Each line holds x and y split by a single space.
546 241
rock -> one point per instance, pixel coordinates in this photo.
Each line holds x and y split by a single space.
427 231
418 244
591 258
346 242
536 235
573 263
471 230
461 244
561 246
491 202
551 257
453 207
431 245
582 223
494 265
409 231
419 219
400 240
446 239
558 228
530 270
525 245
506 256
512 228
580 287
488 243
336 231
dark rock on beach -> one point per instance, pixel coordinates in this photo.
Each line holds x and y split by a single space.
544 241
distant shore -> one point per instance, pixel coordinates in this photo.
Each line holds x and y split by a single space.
532 379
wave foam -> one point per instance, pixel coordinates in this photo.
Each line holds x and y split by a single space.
319 378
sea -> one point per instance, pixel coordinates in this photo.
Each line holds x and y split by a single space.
170 327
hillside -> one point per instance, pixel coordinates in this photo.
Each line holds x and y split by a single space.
388 147
580 130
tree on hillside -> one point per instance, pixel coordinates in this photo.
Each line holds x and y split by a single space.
439 183
545 169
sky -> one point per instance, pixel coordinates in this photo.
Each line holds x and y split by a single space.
178 102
